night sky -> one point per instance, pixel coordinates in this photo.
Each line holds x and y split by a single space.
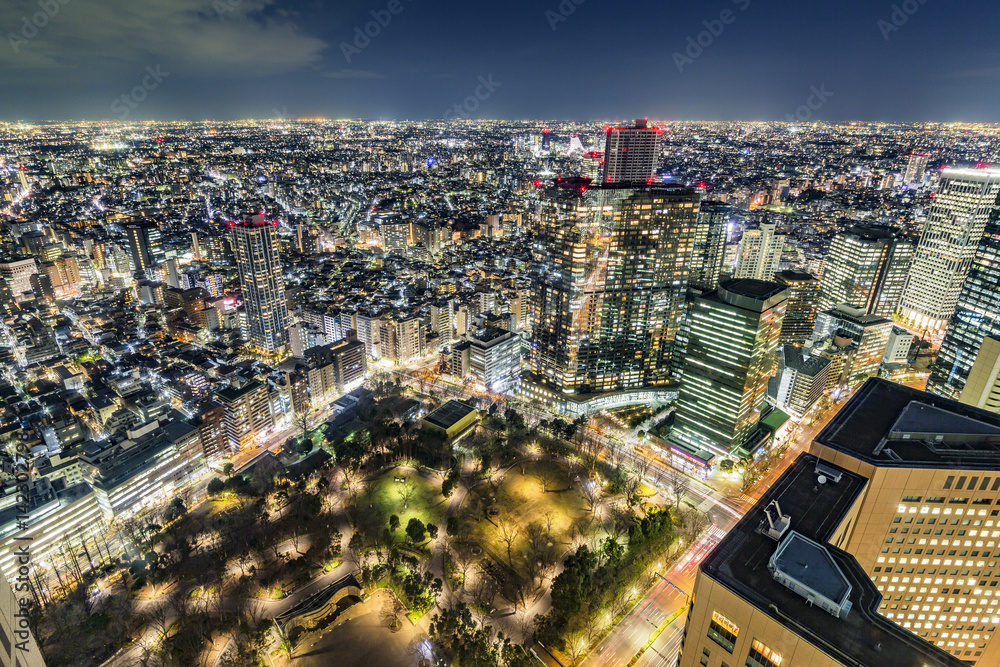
230 59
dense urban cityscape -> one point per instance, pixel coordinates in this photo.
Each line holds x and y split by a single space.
506 393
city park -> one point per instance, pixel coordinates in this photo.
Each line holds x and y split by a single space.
472 546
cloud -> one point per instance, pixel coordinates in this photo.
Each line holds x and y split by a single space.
196 37
978 73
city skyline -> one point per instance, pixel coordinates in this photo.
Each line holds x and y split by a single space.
739 60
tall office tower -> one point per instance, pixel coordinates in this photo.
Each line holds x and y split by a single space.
709 245
976 316
631 153
863 337
546 140
255 244
915 169
982 389
760 253
931 464
800 313
802 380
643 300
145 246
730 357
17 273
965 201
866 267
783 590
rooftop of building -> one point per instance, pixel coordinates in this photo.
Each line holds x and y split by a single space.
892 425
756 289
800 363
860 636
449 414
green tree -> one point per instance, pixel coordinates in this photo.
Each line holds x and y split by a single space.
415 530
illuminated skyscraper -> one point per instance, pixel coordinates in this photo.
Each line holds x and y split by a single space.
730 357
760 253
631 153
642 303
800 314
145 245
255 244
866 267
709 244
608 302
915 169
976 316
965 200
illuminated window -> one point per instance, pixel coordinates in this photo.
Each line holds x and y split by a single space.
762 656
723 631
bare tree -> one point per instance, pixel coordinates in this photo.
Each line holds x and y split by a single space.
392 607
508 531
592 492
406 491
546 477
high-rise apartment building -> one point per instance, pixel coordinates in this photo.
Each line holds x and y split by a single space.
255 244
248 415
965 200
631 153
866 267
402 340
915 169
709 245
564 292
731 356
976 316
800 312
608 306
145 243
760 253
643 300
982 389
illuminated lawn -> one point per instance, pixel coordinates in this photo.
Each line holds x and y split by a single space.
385 497
560 511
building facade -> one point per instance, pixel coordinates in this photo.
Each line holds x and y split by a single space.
760 253
976 316
731 356
866 267
255 244
965 201
631 154
800 313
711 230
